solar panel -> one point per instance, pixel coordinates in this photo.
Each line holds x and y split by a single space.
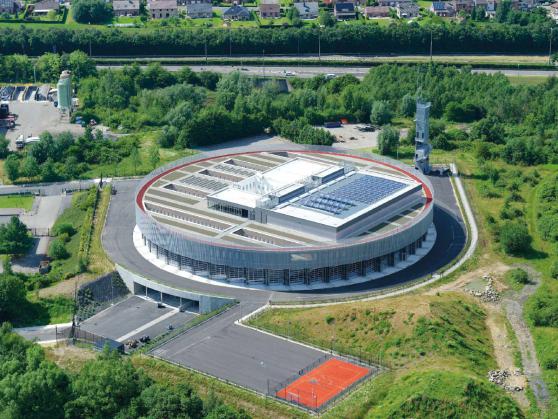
357 191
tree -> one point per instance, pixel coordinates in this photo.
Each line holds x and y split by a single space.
48 172
81 65
136 158
30 167
408 105
154 157
514 238
14 239
4 147
380 114
91 11
388 140
161 401
104 387
294 16
11 167
326 19
12 296
57 250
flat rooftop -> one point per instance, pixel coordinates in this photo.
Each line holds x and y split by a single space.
323 188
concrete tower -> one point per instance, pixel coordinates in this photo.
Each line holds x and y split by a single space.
422 139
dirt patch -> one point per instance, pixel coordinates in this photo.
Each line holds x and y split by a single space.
503 351
67 287
69 357
495 270
495 321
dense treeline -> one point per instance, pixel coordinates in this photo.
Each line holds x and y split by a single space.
31 386
399 37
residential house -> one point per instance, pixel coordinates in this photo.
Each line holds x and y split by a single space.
554 11
372 12
126 7
442 9
307 10
237 12
45 6
392 3
160 9
187 2
344 11
199 10
407 10
9 6
465 5
270 9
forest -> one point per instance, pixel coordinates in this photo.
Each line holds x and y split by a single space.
512 36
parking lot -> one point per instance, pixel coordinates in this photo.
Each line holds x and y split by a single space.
133 318
34 118
349 137
238 354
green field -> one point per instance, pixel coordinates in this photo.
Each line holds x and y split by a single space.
17 201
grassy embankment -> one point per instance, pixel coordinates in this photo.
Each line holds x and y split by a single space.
438 346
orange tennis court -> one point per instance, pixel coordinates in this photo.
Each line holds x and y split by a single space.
323 383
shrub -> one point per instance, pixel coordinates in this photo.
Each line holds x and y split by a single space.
518 276
380 114
514 238
554 270
57 250
329 319
388 140
64 228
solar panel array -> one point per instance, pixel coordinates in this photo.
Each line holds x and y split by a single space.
357 191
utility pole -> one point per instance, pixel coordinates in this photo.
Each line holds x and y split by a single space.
320 42
230 41
205 47
550 47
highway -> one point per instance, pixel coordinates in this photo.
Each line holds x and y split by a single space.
311 71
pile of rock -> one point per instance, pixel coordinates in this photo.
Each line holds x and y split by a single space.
500 378
489 295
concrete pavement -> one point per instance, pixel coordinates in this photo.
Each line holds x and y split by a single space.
312 71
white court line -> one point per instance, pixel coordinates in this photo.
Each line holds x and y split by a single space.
147 325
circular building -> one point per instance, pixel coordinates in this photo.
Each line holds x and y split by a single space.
285 219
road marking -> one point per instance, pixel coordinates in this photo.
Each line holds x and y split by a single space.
147 325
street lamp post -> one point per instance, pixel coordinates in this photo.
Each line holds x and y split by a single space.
320 42
230 41
431 44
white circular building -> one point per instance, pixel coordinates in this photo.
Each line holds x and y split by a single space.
285 219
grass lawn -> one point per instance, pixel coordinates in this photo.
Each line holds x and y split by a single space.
527 80
424 4
17 201
99 262
73 216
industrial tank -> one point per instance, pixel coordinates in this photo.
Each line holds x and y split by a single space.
65 91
